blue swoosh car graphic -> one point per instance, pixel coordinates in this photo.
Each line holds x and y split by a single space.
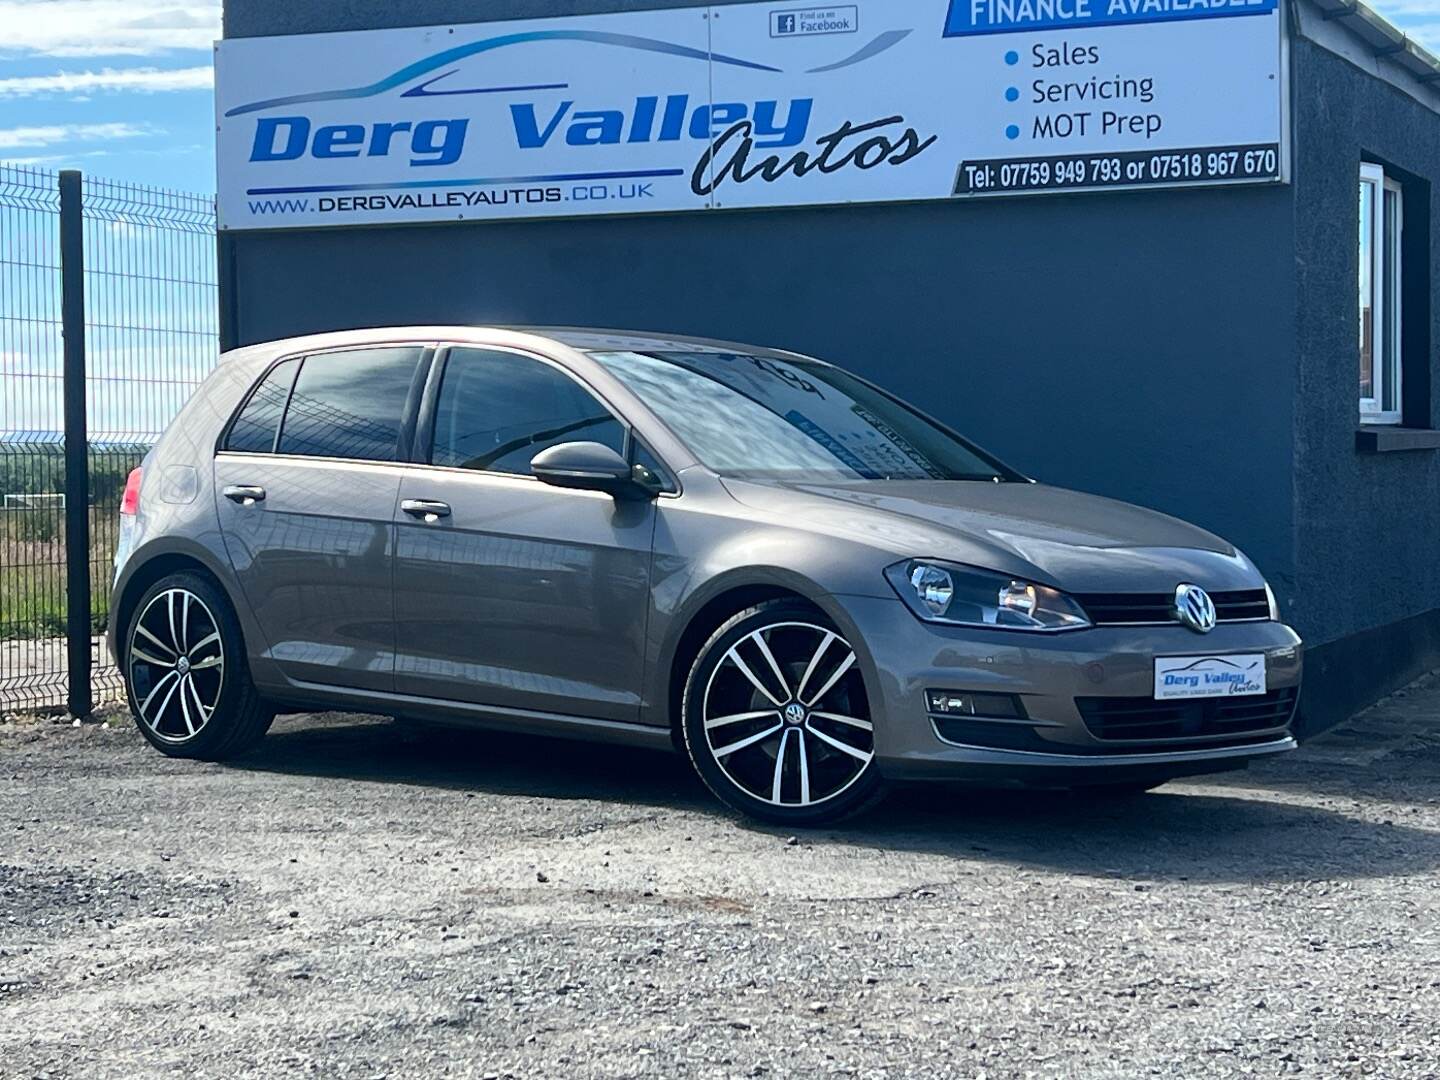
1217 660
444 59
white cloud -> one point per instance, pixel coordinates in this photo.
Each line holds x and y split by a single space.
107 27
52 134
130 153
146 80
48 160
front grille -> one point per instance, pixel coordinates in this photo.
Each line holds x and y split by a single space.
1144 719
1111 609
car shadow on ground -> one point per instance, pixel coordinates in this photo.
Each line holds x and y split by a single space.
1388 759
1407 778
1188 831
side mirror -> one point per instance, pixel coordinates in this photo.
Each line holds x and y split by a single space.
588 466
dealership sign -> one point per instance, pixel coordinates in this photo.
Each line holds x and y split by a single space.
747 105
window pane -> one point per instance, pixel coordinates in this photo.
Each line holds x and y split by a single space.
498 410
350 404
1367 290
642 455
254 429
1390 300
758 417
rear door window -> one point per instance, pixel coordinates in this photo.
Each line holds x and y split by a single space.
350 404
254 430
497 410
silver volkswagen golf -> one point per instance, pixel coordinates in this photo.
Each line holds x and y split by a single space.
810 587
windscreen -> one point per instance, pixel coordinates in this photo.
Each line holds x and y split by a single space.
760 417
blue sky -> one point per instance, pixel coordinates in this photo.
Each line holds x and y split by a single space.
122 88
119 88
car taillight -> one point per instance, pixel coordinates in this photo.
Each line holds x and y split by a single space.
130 501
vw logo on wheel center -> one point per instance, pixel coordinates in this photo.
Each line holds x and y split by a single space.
1194 608
795 713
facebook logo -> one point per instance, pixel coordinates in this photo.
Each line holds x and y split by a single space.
805 22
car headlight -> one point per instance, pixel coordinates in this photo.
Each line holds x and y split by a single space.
964 596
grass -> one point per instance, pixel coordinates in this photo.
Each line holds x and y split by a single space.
32 572
32 540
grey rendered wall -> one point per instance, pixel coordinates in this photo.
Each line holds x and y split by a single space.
1138 345
1367 525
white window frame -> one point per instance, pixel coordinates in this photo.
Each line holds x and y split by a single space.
1386 367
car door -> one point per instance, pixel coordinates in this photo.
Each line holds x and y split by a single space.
510 592
306 484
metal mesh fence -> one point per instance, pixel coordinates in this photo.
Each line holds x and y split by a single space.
32 471
151 335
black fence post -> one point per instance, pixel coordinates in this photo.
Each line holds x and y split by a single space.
79 697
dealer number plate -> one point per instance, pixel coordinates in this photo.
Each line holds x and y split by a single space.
1209 676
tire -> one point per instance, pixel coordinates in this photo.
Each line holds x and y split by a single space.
186 674
799 728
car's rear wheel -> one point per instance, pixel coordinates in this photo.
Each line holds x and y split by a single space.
777 720
186 673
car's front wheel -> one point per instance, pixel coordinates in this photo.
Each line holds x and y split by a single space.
777 720
186 673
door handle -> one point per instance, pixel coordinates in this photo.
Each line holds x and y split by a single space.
245 494
430 510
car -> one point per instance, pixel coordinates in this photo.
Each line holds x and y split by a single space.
813 589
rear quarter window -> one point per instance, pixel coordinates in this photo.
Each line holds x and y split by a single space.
255 428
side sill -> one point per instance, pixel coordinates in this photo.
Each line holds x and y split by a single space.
498 718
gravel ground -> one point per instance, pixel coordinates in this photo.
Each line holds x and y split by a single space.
362 898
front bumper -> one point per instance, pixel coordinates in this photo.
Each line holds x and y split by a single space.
1051 674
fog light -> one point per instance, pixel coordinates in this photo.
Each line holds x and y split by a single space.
965 703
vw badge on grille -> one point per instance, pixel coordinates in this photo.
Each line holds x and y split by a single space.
1194 608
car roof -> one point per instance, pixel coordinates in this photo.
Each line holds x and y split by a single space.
582 339
593 340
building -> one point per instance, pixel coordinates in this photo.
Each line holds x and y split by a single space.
1223 305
